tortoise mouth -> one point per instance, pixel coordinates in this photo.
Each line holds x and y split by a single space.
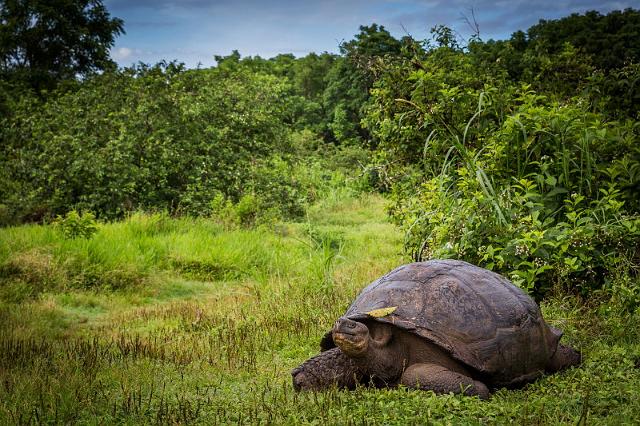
350 344
346 332
351 337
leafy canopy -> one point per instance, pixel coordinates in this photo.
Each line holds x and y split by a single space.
45 41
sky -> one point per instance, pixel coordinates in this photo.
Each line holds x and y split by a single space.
193 31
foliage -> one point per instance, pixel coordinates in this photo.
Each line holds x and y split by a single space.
616 93
521 154
609 40
528 167
153 138
604 42
345 94
506 177
591 52
164 138
43 42
307 77
351 78
77 225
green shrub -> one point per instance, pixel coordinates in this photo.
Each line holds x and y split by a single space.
507 178
77 225
150 138
623 289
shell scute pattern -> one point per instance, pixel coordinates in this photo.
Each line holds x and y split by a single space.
478 316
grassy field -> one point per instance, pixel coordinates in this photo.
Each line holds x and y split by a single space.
162 320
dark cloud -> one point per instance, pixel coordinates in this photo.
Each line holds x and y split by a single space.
495 18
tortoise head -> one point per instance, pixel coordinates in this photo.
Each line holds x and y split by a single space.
356 338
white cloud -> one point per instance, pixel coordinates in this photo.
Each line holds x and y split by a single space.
122 53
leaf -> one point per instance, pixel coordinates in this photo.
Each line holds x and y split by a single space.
557 190
382 312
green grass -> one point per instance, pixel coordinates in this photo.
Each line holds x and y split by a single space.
161 320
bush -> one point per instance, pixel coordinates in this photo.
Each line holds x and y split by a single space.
77 225
151 138
537 190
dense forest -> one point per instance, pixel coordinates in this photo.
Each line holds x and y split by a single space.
519 155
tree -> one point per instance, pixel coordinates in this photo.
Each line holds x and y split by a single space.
444 37
351 78
43 42
310 73
371 43
611 40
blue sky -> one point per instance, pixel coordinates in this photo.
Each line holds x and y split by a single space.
193 31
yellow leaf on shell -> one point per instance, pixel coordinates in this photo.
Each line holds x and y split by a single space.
382 312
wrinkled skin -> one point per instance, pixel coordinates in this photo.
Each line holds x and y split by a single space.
330 368
372 352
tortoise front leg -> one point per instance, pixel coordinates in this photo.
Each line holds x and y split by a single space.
329 368
441 380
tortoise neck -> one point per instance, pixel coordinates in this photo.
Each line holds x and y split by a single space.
383 364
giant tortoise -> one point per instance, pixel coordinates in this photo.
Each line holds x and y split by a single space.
440 325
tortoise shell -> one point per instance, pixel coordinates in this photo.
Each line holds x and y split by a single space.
478 316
